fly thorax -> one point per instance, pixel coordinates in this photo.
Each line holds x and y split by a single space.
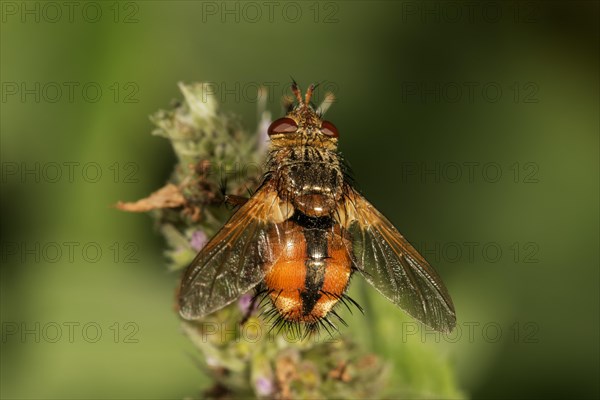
312 179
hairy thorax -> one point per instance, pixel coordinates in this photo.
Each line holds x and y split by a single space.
310 178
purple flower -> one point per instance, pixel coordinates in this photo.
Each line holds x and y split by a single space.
198 240
263 386
245 301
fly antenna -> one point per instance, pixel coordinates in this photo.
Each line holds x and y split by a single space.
309 93
296 91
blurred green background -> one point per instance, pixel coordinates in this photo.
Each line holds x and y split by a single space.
473 127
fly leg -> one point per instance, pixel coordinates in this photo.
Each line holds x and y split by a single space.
232 200
235 201
252 306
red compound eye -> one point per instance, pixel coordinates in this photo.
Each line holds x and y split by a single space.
329 129
282 125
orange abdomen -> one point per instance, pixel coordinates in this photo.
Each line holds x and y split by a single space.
311 268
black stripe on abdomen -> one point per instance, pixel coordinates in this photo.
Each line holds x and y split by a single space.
315 233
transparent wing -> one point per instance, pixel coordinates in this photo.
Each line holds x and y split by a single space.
236 259
389 263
